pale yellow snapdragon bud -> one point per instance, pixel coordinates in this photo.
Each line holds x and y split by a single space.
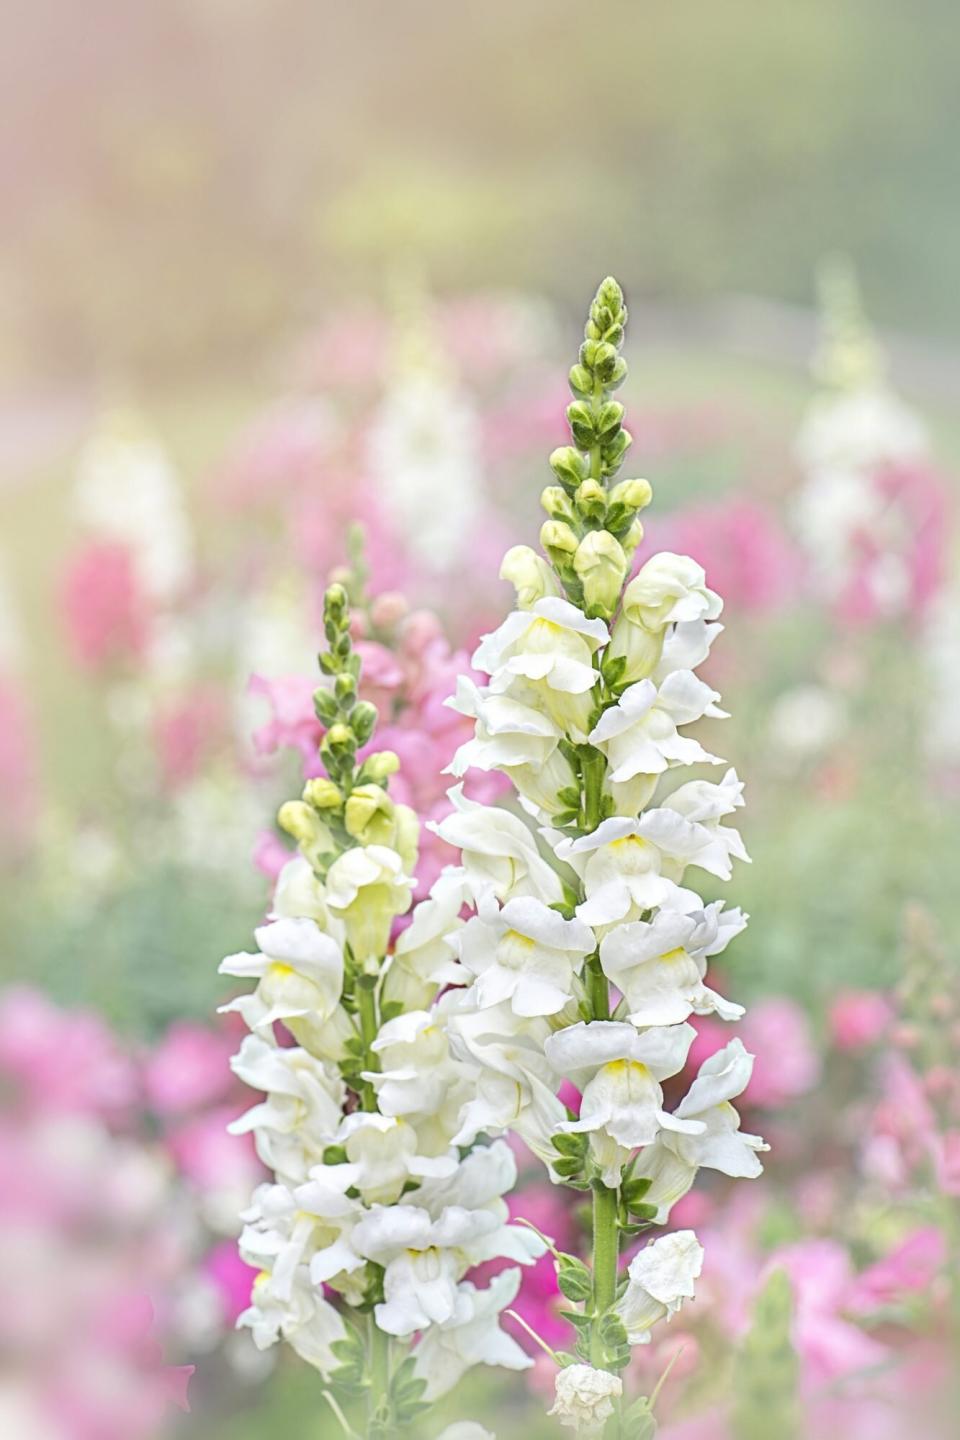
529 574
602 567
369 815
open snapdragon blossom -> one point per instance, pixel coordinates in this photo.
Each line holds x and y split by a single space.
589 949
377 1210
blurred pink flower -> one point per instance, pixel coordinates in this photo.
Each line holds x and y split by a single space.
270 854
188 1068
292 722
859 1018
948 1163
103 607
909 1269
777 1031
829 1345
208 1156
232 1277
62 1060
186 732
899 565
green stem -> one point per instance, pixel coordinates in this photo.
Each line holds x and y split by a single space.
596 456
606 1253
598 989
379 1351
593 769
369 1026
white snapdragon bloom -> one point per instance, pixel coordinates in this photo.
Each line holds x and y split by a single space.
302 1110
303 1318
384 1153
549 649
619 1073
524 953
300 894
299 971
668 590
514 1082
584 1398
516 738
367 887
639 735
285 1229
686 645
620 866
418 1078
465 1430
498 851
471 1337
424 1257
659 965
423 954
671 1164
661 1277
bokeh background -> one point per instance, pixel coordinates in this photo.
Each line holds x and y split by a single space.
273 269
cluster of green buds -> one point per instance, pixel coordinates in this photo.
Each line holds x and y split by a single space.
848 355
350 804
594 527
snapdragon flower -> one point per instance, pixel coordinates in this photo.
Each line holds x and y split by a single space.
588 949
377 1205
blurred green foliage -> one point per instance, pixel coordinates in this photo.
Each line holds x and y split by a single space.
183 177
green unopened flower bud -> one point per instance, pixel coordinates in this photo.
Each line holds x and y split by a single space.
325 706
335 600
530 575
363 720
609 419
556 502
633 494
568 465
323 794
345 686
340 738
605 359
591 500
581 422
380 766
369 815
580 380
406 840
558 540
602 567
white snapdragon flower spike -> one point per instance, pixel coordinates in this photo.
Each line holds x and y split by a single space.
659 965
671 1164
661 1277
373 1203
525 954
585 1398
498 851
549 649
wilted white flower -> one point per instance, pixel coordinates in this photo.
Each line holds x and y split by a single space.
661 1277
584 1398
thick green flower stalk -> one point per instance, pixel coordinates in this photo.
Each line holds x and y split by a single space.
588 950
375 1213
